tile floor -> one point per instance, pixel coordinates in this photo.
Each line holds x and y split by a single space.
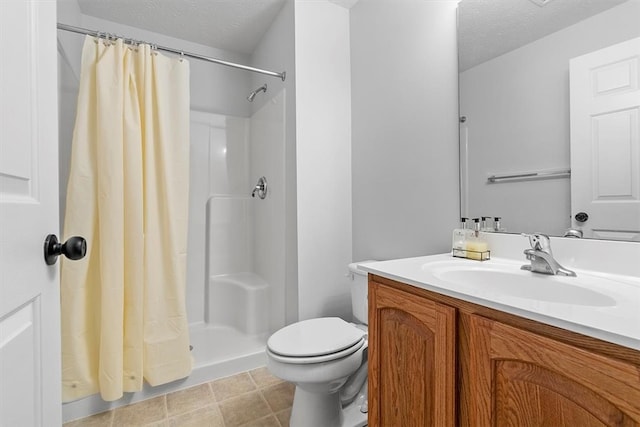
250 399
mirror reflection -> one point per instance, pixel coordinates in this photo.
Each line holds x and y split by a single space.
549 106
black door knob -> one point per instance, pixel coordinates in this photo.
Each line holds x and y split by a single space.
581 217
74 248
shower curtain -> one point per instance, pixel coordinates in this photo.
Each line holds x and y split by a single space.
123 305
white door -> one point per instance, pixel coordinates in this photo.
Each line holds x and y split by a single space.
605 142
29 289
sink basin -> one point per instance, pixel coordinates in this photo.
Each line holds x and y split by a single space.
509 280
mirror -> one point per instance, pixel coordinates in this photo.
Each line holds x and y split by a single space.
516 113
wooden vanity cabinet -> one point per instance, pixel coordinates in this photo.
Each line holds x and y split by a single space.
412 361
519 378
439 361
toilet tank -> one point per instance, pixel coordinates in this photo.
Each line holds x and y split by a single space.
359 292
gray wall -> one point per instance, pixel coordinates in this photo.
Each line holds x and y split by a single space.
323 158
404 92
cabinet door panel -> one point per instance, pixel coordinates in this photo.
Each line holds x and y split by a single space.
412 357
520 378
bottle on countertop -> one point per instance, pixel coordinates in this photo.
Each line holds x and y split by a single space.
477 248
460 236
496 224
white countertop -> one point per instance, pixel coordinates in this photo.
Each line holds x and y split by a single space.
617 321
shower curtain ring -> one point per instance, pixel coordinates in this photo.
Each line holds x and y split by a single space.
181 56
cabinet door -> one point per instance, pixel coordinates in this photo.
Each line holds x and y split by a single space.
411 360
520 378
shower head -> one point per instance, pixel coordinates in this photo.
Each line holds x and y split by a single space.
253 94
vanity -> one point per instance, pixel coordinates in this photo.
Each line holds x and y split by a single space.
462 342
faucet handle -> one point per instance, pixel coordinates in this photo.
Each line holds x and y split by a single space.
539 242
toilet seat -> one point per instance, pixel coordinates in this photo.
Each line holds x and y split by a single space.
301 360
315 340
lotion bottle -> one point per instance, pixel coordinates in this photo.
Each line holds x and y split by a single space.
477 247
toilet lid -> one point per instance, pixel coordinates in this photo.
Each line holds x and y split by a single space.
314 337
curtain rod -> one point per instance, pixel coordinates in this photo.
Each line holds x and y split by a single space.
79 30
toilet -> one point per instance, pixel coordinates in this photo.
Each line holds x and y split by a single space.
326 359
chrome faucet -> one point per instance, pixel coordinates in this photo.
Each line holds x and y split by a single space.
541 257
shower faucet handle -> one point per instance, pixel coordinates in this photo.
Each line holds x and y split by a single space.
260 188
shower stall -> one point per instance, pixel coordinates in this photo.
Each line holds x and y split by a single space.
236 253
235 268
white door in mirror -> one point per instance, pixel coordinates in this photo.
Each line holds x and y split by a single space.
605 142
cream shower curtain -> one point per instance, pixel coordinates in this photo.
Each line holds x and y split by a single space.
123 305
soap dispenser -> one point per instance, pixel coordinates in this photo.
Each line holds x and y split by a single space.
477 248
460 236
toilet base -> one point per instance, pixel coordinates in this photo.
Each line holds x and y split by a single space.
353 417
315 409
324 410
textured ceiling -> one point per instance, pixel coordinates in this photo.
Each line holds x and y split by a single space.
489 28
235 25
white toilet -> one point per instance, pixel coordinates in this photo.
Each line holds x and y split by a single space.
326 358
